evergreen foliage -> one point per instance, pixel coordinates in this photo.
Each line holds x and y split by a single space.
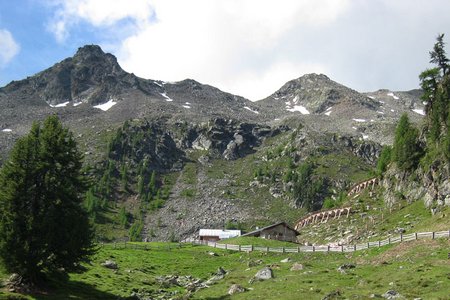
384 160
307 187
406 151
43 225
435 83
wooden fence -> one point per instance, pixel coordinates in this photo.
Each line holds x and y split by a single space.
330 248
321 248
142 246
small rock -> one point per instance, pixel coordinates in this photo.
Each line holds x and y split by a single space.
400 230
286 260
375 296
296 267
391 294
110 264
332 295
236 288
221 271
254 263
345 267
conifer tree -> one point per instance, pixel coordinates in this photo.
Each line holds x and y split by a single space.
406 151
43 225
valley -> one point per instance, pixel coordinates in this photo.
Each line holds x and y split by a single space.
165 159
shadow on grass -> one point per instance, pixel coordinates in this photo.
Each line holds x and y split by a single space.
226 297
73 290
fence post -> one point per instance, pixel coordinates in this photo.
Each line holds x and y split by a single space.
354 247
328 248
415 234
267 249
226 246
389 241
342 248
401 237
282 248
252 248
379 244
298 249
215 244
433 235
314 248
239 248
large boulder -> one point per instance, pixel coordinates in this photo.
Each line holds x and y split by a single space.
264 274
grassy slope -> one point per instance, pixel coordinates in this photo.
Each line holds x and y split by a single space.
414 269
373 221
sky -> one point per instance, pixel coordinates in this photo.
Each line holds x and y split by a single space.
245 47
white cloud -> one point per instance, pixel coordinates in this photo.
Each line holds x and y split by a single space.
100 13
8 47
230 44
252 47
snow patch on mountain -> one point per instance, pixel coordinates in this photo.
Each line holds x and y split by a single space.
300 109
106 106
359 120
60 104
253 111
419 111
168 99
393 96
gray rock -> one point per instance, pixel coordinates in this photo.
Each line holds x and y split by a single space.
236 288
254 263
391 294
264 274
219 275
333 295
110 264
343 268
400 230
286 260
296 267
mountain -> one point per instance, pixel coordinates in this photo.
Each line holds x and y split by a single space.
326 105
91 90
171 157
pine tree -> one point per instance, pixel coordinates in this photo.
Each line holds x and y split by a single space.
438 56
406 151
43 224
436 86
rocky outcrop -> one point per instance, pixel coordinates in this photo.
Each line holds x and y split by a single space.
230 139
369 151
432 186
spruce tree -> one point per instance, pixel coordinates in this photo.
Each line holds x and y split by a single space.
43 224
406 151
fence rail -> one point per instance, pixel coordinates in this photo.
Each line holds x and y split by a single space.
314 248
332 248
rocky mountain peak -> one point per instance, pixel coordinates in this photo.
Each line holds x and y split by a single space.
91 56
90 76
315 93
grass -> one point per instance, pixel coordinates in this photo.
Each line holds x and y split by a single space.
414 269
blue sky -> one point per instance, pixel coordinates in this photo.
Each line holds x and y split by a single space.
247 47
